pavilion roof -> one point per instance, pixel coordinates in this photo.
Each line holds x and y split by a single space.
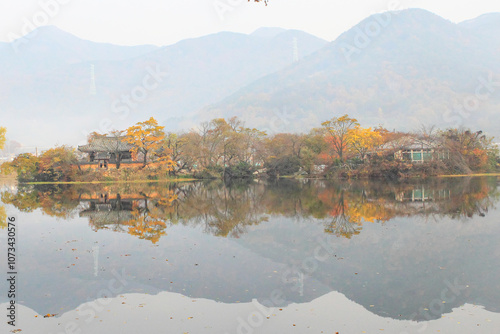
106 144
409 143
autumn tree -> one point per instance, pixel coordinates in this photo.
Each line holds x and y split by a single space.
57 164
176 145
25 165
469 150
146 137
3 131
312 146
283 153
363 140
339 133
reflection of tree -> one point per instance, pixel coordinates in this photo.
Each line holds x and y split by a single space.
223 211
143 213
3 217
342 222
226 210
473 196
53 200
149 220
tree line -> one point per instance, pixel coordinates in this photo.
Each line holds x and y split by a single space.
226 148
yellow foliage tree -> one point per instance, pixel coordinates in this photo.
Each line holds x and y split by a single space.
146 137
2 137
363 140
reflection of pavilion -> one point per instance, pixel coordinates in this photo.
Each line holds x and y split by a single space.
105 209
423 195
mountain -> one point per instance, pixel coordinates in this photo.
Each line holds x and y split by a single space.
48 47
48 82
267 32
487 28
399 69
490 21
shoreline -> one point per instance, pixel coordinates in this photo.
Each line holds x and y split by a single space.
114 181
130 313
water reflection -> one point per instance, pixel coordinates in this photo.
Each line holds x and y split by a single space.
395 247
146 210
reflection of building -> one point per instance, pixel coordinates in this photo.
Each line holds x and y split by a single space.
423 195
103 151
106 210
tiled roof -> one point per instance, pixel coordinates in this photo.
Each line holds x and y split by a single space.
106 144
408 143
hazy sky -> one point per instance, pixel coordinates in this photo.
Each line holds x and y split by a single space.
164 22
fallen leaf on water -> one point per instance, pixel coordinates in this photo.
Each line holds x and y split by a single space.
48 315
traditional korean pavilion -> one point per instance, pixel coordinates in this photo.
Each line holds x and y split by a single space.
105 150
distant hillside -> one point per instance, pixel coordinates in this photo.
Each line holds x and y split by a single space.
49 47
414 68
47 82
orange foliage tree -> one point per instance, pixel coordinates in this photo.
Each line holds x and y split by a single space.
146 137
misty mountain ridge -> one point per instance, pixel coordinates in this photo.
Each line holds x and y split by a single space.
414 68
49 81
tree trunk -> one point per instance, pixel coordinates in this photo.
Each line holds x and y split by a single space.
118 160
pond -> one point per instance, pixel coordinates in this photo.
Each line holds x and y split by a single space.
257 257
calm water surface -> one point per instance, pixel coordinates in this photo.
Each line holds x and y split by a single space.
398 249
